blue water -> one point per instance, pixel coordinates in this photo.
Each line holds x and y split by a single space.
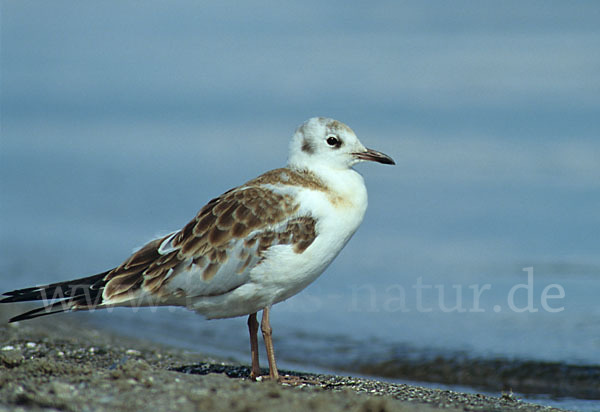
119 121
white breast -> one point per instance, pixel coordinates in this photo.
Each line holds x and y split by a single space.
283 272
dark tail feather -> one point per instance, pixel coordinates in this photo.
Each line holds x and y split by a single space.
43 311
83 293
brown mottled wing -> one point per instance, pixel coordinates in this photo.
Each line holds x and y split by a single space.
213 253
126 280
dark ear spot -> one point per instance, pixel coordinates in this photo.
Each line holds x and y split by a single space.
307 147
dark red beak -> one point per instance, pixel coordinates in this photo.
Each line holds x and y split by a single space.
375 156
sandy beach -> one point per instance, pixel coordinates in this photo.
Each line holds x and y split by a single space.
58 364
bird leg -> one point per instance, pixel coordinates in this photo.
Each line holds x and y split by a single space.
267 337
253 329
266 329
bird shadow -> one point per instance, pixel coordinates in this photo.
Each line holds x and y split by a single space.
243 372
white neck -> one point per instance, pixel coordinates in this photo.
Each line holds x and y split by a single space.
345 183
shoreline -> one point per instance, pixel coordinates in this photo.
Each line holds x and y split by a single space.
64 364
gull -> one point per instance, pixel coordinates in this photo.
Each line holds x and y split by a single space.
246 250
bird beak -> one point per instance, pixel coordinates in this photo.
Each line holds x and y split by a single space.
375 156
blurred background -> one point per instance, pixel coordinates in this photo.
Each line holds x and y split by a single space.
120 119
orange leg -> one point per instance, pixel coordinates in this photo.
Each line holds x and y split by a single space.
267 332
253 329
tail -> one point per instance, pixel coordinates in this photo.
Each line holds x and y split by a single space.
77 294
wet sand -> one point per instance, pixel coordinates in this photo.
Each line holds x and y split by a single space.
61 363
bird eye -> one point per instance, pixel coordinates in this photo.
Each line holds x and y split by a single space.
333 141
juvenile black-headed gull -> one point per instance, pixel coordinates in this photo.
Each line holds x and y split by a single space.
255 245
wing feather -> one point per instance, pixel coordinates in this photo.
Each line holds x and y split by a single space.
214 252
